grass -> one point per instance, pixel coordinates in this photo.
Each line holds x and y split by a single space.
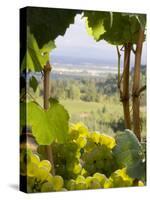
78 106
107 110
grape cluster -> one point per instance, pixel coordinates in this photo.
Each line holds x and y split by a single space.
119 178
97 155
67 156
90 182
39 177
84 161
84 153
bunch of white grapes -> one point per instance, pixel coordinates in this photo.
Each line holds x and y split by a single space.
39 177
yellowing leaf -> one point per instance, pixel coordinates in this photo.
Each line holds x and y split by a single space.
48 125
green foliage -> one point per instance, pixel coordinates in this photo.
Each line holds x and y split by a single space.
43 27
83 159
47 125
35 58
48 23
129 154
115 28
84 89
94 23
33 83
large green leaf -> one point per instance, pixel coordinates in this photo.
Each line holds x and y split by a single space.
47 125
128 153
35 58
45 24
48 23
94 23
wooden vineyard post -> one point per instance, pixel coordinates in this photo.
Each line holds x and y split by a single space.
47 70
125 91
123 83
136 86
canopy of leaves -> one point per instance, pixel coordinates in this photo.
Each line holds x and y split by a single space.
128 153
43 26
48 23
115 28
47 125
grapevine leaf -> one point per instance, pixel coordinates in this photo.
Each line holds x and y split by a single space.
115 28
138 170
128 153
36 58
48 23
48 125
33 83
94 23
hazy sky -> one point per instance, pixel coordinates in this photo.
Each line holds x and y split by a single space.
77 43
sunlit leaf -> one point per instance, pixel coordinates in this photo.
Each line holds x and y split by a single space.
48 125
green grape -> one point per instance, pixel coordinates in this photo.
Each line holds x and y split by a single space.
42 173
120 178
108 184
58 183
99 164
78 154
81 186
140 183
31 169
107 141
84 172
47 187
95 137
77 168
101 178
94 183
89 145
80 179
49 178
80 183
71 184
90 168
74 134
81 141
88 181
34 158
46 164
72 146
81 128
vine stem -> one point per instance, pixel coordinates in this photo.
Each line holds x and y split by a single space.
136 86
125 92
48 148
